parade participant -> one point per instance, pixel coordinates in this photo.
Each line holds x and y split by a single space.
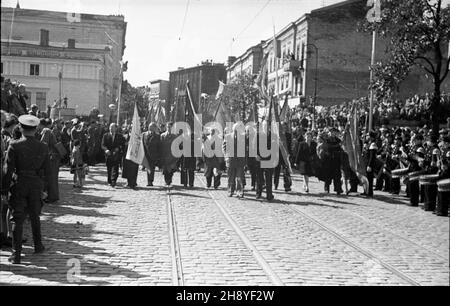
252 164
48 138
212 164
28 159
112 145
265 174
152 148
282 166
93 143
168 161
305 159
4 200
370 169
130 168
188 163
332 161
234 153
77 165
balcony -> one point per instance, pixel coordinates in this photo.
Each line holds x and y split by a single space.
292 66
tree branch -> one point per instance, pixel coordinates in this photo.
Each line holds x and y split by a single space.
433 71
446 70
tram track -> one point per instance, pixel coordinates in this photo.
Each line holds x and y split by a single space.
177 268
271 274
330 231
353 245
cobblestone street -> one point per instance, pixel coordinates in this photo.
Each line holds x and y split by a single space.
155 236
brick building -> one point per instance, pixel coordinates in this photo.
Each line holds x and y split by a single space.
343 57
203 79
57 54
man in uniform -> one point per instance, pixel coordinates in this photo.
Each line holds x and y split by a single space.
27 159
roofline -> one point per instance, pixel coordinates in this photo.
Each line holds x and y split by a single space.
295 23
157 81
198 67
333 6
116 18
246 54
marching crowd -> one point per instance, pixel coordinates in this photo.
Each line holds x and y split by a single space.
34 147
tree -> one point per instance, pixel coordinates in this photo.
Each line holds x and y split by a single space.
418 32
238 96
129 96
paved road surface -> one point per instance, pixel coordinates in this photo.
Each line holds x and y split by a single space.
156 236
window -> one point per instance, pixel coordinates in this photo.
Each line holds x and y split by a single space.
34 69
44 37
41 100
28 98
71 43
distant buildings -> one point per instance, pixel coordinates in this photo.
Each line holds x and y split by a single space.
203 79
59 55
249 62
329 38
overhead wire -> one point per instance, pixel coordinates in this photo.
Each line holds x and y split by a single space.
184 19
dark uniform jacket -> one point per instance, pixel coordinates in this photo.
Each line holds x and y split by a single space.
27 158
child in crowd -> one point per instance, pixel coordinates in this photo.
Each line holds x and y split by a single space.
77 165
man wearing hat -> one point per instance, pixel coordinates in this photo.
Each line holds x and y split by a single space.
28 159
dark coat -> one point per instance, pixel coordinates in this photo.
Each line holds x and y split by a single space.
152 148
116 147
305 158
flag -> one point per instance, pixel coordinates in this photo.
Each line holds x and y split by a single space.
135 151
353 148
190 110
222 116
160 117
220 90
374 13
261 79
284 111
282 137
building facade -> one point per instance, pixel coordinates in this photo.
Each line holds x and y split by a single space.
59 55
249 62
322 55
203 79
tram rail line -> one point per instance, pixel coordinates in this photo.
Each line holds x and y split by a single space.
177 268
353 245
271 274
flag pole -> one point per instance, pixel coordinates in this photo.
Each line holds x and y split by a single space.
372 63
120 94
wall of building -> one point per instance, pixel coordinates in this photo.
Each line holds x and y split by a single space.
95 32
202 79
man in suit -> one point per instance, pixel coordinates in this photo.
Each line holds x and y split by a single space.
112 144
152 149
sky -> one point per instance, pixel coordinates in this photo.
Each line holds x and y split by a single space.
163 35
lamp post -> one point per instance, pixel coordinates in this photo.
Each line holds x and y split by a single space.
315 82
